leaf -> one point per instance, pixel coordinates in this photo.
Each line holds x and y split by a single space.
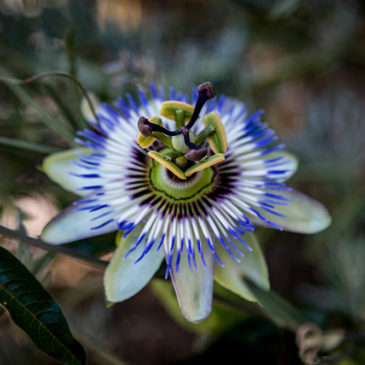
276 308
25 145
36 312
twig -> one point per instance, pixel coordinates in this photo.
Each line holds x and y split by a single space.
54 73
53 248
13 84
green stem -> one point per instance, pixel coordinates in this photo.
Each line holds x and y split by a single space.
69 116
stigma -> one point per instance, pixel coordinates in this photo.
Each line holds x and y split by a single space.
187 149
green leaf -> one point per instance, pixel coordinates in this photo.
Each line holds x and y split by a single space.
276 308
252 266
36 312
25 145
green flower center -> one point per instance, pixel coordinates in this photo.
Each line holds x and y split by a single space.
165 184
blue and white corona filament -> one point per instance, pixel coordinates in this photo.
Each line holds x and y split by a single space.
191 177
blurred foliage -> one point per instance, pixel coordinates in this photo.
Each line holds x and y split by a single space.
301 61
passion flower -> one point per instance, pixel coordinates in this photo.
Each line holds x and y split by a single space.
185 180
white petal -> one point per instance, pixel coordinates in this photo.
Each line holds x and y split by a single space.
253 165
60 167
303 215
71 225
289 162
123 277
194 289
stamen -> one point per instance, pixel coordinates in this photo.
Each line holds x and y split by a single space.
180 142
206 91
207 162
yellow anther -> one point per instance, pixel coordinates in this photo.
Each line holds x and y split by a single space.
169 108
145 142
160 158
210 161
217 141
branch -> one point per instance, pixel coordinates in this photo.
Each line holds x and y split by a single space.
52 248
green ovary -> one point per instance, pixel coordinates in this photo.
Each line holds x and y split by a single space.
165 184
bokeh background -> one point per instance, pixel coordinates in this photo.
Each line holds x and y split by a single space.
302 61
